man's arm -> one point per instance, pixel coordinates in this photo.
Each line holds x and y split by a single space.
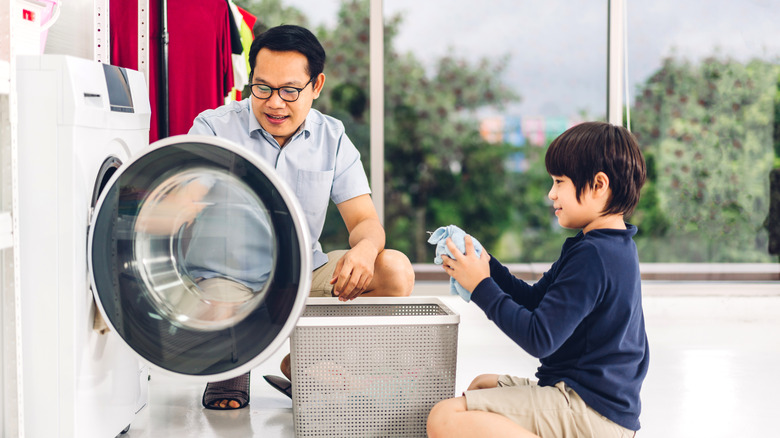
355 270
201 127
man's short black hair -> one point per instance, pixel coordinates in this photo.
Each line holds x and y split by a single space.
592 147
290 38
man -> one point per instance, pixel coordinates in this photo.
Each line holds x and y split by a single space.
312 153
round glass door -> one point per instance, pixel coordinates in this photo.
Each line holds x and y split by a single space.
199 257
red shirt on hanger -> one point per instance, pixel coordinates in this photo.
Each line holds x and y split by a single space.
200 71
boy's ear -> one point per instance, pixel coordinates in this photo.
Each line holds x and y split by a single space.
601 184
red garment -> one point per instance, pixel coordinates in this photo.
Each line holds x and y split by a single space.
123 24
249 19
200 70
200 66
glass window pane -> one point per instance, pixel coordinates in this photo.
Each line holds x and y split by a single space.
474 94
703 79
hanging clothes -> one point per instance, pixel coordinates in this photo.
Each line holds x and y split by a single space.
246 39
123 25
241 65
247 36
249 19
200 70
200 67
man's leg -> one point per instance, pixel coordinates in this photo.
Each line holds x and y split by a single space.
393 277
220 297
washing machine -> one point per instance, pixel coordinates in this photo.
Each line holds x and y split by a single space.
187 257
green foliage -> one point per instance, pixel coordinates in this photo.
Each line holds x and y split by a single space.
439 170
708 135
271 13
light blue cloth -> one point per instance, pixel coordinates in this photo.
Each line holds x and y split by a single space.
439 238
319 163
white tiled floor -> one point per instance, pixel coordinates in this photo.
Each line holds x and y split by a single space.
714 369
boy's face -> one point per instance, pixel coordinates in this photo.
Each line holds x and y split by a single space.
582 214
284 69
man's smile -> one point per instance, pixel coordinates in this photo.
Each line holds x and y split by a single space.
276 119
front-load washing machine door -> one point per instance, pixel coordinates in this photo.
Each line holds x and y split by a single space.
200 257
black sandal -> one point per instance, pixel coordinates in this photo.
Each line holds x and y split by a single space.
235 389
280 384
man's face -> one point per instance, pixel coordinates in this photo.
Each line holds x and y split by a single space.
283 69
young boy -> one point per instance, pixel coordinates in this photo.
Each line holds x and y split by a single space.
583 319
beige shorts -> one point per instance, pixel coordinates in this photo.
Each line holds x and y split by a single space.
547 411
223 289
320 278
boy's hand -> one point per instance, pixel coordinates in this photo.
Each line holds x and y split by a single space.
468 269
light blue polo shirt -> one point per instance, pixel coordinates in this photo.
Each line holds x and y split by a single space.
318 163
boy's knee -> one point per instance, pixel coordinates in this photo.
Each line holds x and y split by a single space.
437 420
440 417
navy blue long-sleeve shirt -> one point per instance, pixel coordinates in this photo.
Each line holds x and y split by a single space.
583 319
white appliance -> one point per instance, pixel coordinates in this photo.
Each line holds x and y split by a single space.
77 123
89 188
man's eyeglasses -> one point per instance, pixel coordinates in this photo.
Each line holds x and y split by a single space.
288 94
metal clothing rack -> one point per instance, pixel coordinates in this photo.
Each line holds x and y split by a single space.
163 113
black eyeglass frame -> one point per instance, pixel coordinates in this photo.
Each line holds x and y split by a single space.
278 90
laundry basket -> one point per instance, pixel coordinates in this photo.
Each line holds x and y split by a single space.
373 367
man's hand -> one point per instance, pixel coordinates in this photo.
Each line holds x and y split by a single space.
468 269
354 271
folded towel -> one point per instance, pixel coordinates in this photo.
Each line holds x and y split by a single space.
439 238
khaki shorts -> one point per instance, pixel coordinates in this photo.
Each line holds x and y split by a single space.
222 289
320 278
547 411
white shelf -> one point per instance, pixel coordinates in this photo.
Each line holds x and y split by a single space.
5 77
6 231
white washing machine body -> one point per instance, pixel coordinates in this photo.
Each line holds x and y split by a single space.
77 382
196 253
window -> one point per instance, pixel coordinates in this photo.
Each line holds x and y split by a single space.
473 96
704 81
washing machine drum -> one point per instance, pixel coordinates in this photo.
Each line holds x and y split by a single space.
200 257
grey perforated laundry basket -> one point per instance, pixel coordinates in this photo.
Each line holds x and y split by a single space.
373 367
